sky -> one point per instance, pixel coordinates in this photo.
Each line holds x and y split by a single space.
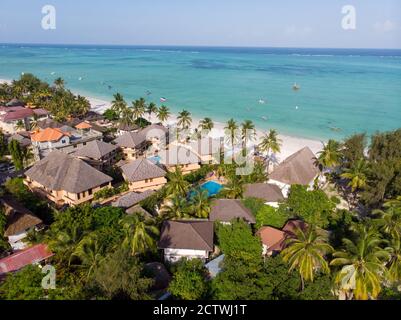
249 23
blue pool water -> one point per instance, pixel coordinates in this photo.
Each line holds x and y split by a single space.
212 188
155 159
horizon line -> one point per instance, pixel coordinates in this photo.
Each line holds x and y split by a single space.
192 46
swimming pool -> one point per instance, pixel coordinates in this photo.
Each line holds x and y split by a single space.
212 188
155 159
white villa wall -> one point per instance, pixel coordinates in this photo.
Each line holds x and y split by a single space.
174 255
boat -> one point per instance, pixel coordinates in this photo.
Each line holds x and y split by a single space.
264 118
296 87
261 101
335 129
162 99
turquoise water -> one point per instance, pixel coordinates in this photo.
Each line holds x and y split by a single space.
212 188
342 91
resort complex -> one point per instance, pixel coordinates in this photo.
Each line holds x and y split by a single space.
165 207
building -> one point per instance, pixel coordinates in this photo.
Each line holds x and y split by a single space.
64 138
130 201
98 154
142 175
275 240
226 210
19 221
208 149
299 168
33 255
23 137
18 118
132 144
124 128
189 239
179 156
65 179
270 193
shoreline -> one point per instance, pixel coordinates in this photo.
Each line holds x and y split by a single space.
290 144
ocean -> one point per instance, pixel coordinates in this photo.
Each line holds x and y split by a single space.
342 91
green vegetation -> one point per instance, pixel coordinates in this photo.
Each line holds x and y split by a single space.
189 280
110 192
269 216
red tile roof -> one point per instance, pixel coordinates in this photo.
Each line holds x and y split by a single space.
17 113
24 258
83 125
48 134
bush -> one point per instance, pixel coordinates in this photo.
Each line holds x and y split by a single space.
269 216
253 204
199 174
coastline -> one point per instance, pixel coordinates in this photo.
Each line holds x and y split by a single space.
290 144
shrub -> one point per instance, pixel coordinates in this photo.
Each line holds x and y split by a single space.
269 216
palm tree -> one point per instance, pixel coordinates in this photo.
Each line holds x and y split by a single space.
59 83
163 113
247 132
33 124
270 143
90 252
139 233
234 189
151 108
63 242
206 124
118 104
176 208
83 105
184 119
20 125
27 156
126 116
138 109
232 134
330 155
363 264
356 176
200 204
394 265
306 253
390 219
176 185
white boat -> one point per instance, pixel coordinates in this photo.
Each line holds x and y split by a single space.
296 86
261 101
162 99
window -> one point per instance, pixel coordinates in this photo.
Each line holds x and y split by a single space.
63 141
75 146
84 143
89 191
78 196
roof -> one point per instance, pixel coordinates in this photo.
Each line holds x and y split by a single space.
23 141
191 234
273 238
40 112
127 127
158 272
299 168
214 266
138 209
292 226
95 150
18 218
15 102
24 258
83 125
49 134
132 198
265 191
154 130
16 113
48 123
178 155
60 171
130 140
142 169
226 210
206 146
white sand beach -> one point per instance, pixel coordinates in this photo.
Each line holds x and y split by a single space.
289 145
